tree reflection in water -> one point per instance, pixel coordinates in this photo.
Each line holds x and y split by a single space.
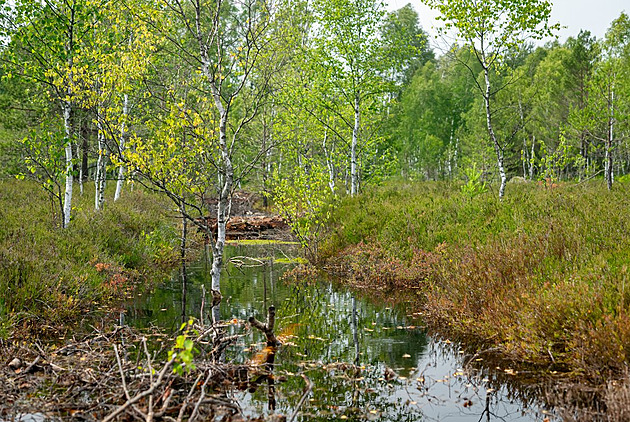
366 361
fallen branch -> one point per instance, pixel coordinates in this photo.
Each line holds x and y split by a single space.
144 394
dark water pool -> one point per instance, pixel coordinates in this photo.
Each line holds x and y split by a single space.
366 360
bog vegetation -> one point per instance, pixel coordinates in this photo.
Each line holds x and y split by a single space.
51 277
540 276
315 104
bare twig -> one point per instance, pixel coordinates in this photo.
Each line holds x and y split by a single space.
202 396
267 329
149 417
307 391
182 409
124 382
144 394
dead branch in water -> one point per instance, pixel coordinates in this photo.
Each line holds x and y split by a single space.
267 328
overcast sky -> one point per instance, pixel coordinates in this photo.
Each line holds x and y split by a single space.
594 16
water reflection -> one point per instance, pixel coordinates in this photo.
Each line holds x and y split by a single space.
366 361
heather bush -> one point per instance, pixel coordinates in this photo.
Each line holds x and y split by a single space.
51 276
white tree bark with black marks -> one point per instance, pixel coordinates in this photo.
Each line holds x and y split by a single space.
610 138
498 149
67 198
121 146
224 204
67 120
354 176
532 158
101 174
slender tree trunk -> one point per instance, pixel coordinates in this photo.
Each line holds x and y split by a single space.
354 183
83 172
329 164
456 154
355 335
531 158
226 169
610 139
67 198
224 204
524 151
451 149
182 253
121 146
266 167
67 122
525 157
99 179
497 147
584 152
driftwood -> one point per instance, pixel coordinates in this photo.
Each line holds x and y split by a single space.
127 375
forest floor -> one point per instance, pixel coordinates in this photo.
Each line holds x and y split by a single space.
538 279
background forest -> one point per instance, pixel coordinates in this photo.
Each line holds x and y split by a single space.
199 98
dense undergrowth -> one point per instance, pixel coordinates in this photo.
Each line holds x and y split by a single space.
51 276
542 277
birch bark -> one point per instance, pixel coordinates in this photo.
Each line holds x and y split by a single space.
610 138
99 179
354 177
67 198
498 149
121 146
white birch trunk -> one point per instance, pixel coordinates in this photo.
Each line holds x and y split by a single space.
67 123
524 155
121 146
99 179
80 180
226 180
226 171
532 156
354 177
452 149
67 198
609 143
329 164
224 204
497 147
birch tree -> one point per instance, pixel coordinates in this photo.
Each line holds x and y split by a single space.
348 57
614 87
224 58
605 115
492 29
117 57
44 38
